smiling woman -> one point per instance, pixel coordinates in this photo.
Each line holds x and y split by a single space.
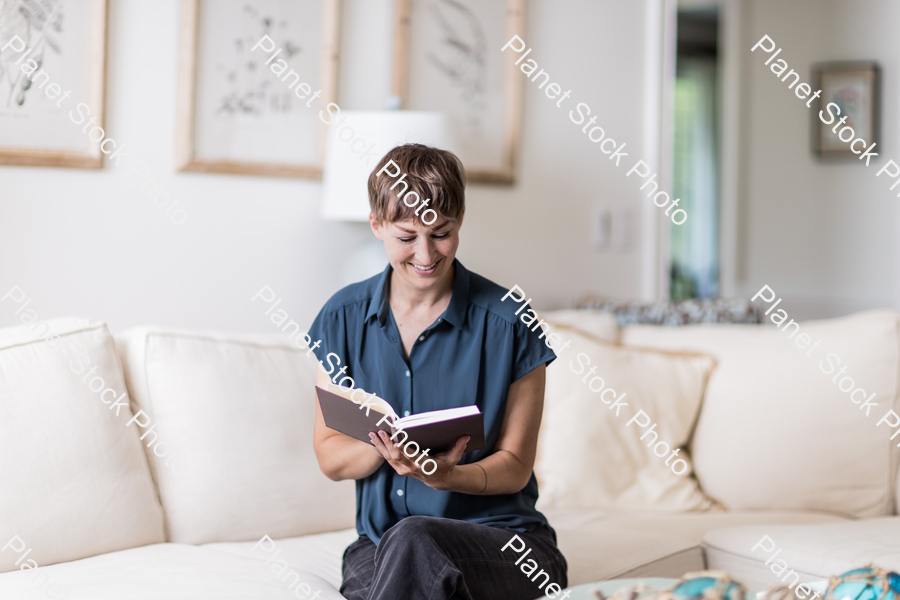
421 248
418 334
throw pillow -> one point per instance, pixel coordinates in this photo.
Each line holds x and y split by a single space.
684 312
590 457
237 412
780 428
74 481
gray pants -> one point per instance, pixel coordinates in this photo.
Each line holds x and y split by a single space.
427 558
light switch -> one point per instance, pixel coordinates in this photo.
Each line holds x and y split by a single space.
602 228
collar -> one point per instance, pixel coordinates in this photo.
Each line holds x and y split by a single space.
378 305
459 301
456 310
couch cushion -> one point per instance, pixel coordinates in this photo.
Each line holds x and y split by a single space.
589 457
814 551
170 571
321 553
73 479
601 325
776 432
604 545
238 413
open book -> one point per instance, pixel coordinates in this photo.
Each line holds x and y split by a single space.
436 429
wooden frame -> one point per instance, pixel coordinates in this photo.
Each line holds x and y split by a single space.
512 85
864 120
90 157
186 155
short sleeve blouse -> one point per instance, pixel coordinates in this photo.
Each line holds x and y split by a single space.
470 355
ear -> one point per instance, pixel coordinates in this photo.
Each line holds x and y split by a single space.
377 228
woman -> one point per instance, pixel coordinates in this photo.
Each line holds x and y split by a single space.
427 334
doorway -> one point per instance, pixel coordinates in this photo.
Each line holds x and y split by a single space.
694 245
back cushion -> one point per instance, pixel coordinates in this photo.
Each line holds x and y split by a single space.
601 325
236 414
776 431
590 457
73 479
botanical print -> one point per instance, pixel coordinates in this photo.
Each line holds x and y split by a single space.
247 87
460 55
244 112
39 23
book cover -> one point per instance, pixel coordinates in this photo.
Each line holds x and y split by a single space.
437 430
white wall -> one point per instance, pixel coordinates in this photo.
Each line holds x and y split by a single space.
823 236
84 243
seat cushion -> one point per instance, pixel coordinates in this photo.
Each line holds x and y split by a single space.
601 545
321 553
169 571
238 413
776 431
596 549
814 551
74 481
590 457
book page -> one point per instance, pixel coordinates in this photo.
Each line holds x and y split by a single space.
436 416
362 397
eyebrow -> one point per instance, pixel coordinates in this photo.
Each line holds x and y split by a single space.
438 228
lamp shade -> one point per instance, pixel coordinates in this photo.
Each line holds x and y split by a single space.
357 140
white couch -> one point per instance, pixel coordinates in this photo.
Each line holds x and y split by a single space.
778 450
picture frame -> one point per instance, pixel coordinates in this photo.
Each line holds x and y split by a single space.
64 48
447 58
235 113
855 87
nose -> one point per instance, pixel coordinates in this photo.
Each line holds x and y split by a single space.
424 250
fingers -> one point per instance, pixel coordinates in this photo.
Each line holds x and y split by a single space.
458 448
453 455
380 446
401 463
393 448
383 442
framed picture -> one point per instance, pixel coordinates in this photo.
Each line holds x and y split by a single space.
52 63
853 91
253 76
447 58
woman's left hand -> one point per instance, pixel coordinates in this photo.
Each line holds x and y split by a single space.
446 462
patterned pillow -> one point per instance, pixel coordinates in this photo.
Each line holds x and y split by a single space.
685 312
